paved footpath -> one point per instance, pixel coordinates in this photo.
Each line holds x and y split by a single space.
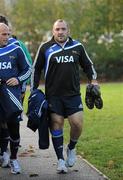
41 164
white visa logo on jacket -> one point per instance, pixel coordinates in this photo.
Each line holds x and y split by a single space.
5 65
64 59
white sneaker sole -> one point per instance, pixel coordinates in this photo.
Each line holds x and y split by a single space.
13 172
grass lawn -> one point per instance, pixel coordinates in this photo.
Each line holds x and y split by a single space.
101 142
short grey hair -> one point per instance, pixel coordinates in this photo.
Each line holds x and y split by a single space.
62 20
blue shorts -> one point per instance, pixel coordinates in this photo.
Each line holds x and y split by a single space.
2 115
65 105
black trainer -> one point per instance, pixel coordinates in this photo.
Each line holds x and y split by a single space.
98 102
89 98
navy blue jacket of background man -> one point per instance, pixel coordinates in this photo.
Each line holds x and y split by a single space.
13 63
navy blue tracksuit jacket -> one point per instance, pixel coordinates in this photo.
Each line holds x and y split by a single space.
13 63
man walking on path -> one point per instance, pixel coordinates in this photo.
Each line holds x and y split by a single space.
4 136
14 70
60 58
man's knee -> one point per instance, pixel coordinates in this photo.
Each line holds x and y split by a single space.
56 121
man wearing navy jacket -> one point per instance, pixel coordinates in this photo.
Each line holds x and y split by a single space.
60 58
4 136
14 70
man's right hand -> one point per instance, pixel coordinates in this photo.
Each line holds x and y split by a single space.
12 82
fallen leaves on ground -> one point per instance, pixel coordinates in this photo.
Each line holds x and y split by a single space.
33 175
28 152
